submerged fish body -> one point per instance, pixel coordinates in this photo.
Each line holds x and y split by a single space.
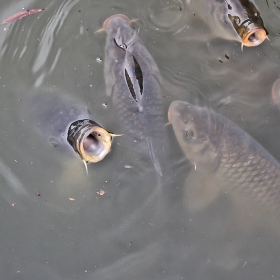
66 123
276 92
233 20
132 80
218 147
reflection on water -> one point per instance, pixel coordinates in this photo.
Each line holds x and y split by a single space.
141 227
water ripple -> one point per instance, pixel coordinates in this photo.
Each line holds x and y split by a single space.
166 16
49 33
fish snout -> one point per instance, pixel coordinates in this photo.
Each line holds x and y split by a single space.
178 110
172 110
255 37
109 19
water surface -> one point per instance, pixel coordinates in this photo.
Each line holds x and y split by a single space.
142 227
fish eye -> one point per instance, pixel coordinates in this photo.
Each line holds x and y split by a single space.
122 46
237 20
189 134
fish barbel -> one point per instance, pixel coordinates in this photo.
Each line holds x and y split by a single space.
133 81
218 147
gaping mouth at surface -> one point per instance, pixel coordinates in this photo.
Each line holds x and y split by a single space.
89 140
254 38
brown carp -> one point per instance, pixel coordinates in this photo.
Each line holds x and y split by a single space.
66 123
232 19
218 147
133 81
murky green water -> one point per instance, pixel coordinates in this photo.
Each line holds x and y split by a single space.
139 228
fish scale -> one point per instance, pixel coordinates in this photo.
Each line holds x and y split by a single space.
237 161
262 172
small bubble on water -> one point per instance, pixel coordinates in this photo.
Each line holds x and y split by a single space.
104 105
99 60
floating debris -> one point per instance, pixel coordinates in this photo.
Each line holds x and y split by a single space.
22 14
71 198
99 60
37 193
101 192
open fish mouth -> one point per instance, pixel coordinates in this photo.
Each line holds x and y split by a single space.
89 140
254 37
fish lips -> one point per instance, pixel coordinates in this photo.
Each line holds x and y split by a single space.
89 140
255 37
